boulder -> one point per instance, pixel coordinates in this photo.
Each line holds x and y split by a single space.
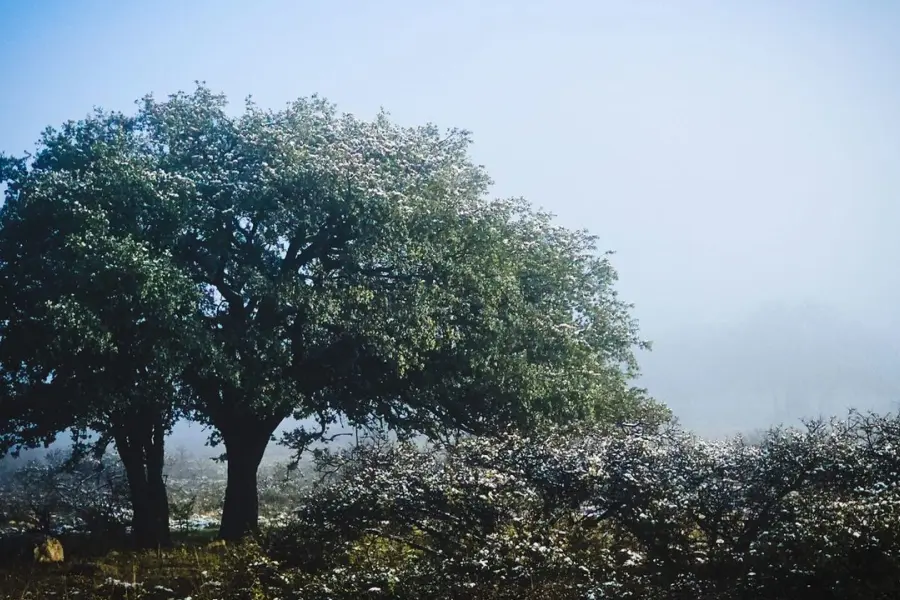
49 550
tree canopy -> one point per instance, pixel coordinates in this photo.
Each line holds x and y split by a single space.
339 267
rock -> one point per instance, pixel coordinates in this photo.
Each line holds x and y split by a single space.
49 550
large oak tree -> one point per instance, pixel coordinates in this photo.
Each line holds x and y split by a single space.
357 269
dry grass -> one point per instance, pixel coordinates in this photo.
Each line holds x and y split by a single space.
94 569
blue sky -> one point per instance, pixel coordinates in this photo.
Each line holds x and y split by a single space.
738 156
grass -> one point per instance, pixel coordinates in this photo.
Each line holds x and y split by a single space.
94 569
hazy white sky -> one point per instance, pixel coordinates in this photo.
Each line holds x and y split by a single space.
737 155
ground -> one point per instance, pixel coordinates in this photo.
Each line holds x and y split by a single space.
95 569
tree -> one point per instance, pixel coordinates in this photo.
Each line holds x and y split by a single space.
358 270
91 322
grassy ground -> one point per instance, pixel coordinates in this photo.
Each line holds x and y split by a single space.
95 569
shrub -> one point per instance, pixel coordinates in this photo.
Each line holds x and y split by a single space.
625 514
59 493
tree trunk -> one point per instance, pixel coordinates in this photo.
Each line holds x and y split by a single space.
156 484
141 448
244 448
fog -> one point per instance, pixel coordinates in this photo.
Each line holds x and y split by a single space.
741 158
776 365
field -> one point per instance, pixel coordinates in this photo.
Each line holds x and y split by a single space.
799 513
46 494
93 569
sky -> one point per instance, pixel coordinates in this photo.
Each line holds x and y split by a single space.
740 157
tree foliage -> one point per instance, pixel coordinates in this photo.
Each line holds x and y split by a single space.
94 325
345 268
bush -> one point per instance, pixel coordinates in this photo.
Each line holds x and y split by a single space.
806 512
809 512
57 494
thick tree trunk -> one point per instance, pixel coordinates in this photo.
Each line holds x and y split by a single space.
141 448
244 448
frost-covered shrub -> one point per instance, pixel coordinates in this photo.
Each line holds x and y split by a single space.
56 494
279 486
625 514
